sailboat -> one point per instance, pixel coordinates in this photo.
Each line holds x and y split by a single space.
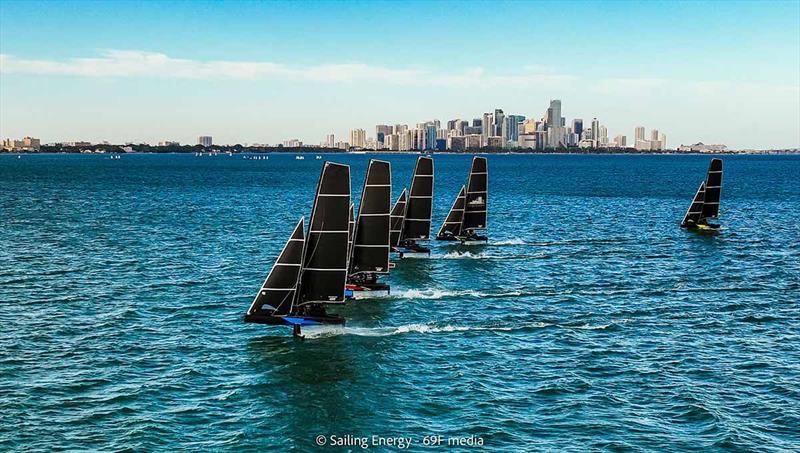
311 270
703 213
416 223
469 209
369 257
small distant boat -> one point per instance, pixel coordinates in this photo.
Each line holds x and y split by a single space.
703 213
417 215
469 210
311 270
319 157
299 157
369 256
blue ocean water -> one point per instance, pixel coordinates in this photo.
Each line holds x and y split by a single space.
589 322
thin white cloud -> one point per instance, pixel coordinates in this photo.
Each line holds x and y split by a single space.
134 63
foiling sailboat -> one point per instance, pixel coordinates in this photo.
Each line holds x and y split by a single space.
469 211
311 270
703 213
416 224
369 257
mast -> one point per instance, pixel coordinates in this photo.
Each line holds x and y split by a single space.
278 290
417 222
371 239
324 271
452 224
713 187
477 195
696 208
396 219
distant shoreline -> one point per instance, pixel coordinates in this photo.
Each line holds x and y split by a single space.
245 150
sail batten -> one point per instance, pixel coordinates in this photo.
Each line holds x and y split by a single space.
417 222
372 230
325 256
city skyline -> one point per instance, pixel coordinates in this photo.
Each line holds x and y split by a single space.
264 73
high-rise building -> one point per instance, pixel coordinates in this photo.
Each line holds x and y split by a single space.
499 121
381 131
554 125
577 126
486 127
654 134
477 122
430 136
330 141
205 141
663 139
638 133
358 138
620 141
595 133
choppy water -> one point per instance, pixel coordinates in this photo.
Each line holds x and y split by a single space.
590 322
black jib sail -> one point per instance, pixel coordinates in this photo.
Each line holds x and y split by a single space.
371 245
417 222
713 188
451 228
696 208
397 216
324 270
477 195
277 293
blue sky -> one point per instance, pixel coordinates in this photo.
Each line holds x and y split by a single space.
717 72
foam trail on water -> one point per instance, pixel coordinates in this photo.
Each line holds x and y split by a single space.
485 256
331 331
514 241
443 294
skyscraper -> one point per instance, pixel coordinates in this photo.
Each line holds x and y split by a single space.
577 126
358 138
595 133
330 141
499 120
638 133
430 136
204 140
486 125
381 131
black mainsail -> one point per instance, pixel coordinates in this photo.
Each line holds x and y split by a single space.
396 217
477 195
705 204
417 221
324 271
371 245
713 190
277 293
451 228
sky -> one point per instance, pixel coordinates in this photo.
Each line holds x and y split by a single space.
262 72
